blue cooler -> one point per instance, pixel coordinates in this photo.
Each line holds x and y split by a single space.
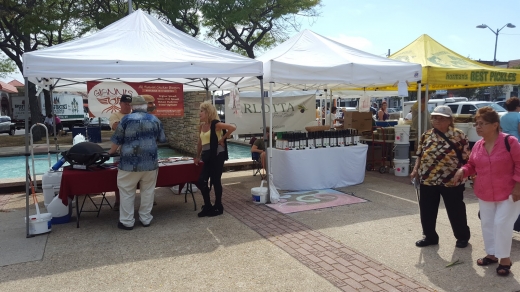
386 123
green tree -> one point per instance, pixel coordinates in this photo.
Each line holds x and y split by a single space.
182 14
7 67
28 25
248 25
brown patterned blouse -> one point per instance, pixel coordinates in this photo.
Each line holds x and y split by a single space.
438 161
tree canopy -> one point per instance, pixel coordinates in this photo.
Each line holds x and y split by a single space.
243 26
249 25
7 67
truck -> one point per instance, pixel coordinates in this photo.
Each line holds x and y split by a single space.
68 107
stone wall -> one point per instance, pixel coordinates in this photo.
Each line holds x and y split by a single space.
182 133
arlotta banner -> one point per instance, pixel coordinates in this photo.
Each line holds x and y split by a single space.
103 97
290 113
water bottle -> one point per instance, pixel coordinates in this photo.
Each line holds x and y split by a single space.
58 164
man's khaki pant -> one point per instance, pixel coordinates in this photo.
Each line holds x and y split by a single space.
127 184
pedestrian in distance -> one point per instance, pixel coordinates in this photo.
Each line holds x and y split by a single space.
510 122
382 114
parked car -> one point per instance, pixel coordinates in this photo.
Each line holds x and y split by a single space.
105 123
471 107
6 126
501 103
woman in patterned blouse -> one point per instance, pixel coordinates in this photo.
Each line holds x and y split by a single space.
438 161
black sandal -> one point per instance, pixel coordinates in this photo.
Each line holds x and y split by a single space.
504 270
486 261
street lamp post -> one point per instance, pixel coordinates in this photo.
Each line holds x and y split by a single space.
510 25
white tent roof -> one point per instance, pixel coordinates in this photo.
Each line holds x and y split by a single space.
309 60
139 48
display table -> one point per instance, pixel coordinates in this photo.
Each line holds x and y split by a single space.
101 180
322 168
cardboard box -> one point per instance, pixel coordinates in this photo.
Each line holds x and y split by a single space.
360 121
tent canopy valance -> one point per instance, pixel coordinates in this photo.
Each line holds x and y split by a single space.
445 69
139 48
310 61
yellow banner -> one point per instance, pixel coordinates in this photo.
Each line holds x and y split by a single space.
445 69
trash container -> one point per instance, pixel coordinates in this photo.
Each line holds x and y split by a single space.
94 133
78 130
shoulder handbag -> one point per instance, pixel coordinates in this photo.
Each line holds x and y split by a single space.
452 145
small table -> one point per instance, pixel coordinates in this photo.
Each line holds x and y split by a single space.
322 168
101 180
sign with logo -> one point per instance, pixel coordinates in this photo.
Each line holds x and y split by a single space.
103 97
69 107
290 113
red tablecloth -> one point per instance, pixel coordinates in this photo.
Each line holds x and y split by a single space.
82 182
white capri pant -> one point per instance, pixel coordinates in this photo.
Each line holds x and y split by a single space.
497 220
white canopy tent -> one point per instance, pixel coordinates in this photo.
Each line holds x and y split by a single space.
309 61
136 48
139 48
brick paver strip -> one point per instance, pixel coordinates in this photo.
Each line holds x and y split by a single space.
345 268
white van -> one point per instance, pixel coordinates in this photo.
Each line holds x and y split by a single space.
471 107
433 103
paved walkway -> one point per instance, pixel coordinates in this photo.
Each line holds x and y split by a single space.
345 268
361 247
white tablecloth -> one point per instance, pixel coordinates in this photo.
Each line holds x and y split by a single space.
322 168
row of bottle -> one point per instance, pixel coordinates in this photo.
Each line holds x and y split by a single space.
321 139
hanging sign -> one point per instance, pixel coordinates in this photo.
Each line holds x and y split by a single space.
103 97
290 113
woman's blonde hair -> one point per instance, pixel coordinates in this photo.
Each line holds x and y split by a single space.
210 110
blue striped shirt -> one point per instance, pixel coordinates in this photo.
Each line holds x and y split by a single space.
137 134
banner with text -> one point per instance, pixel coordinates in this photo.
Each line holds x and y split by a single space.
290 113
103 97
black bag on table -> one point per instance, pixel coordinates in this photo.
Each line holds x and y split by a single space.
85 154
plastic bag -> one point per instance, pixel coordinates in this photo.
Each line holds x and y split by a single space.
274 195
78 139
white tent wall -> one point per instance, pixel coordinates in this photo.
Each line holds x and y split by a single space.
136 48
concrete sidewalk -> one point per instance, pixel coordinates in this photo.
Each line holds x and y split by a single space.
360 247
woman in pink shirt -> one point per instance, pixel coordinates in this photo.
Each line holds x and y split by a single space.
497 187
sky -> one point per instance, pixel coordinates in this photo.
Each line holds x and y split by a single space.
376 26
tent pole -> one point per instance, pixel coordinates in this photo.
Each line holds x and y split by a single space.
426 98
207 90
54 121
27 133
261 78
270 153
213 97
419 111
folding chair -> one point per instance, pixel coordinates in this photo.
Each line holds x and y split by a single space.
257 164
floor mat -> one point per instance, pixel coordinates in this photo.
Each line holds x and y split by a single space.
291 202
